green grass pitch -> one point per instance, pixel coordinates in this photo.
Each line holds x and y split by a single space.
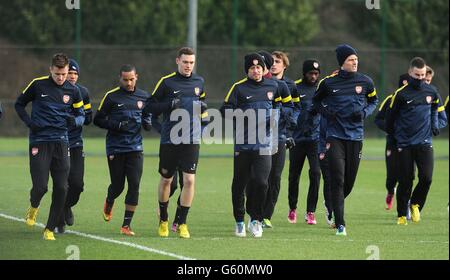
210 219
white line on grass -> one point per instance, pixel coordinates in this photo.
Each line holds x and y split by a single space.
104 239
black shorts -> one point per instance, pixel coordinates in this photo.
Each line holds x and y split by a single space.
183 157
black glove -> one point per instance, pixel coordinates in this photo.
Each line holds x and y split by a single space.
203 107
435 131
34 127
147 123
147 126
357 116
70 120
118 126
328 113
88 118
313 112
292 124
290 143
175 103
123 126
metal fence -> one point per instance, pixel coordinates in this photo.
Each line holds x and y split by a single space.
100 65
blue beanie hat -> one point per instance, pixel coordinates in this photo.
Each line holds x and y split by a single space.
73 66
344 51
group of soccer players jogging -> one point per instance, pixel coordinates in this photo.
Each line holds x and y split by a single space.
318 119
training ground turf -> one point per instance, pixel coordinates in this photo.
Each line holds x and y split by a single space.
372 231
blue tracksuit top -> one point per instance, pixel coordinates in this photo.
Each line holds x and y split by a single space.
345 94
413 113
121 105
250 97
307 123
191 91
51 106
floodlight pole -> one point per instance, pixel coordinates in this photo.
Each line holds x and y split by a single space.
192 25
384 15
234 40
78 33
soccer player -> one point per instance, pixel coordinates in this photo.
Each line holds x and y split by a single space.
56 105
392 160
120 112
76 173
391 153
180 90
349 97
252 157
275 65
1 110
412 118
306 137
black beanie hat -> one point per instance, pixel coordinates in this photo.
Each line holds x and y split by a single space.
403 80
73 66
267 57
310 64
253 59
344 51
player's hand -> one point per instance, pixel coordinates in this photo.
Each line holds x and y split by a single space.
147 123
87 118
147 126
328 112
313 112
70 120
358 116
435 131
123 125
203 107
290 143
175 103
34 127
321 156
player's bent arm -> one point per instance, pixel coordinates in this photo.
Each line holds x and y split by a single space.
392 112
20 105
87 110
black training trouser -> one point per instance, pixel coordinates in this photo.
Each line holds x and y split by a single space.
423 157
50 157
76 176
123 165
251 175
392 167
278 161
327 194
297 156
344 157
